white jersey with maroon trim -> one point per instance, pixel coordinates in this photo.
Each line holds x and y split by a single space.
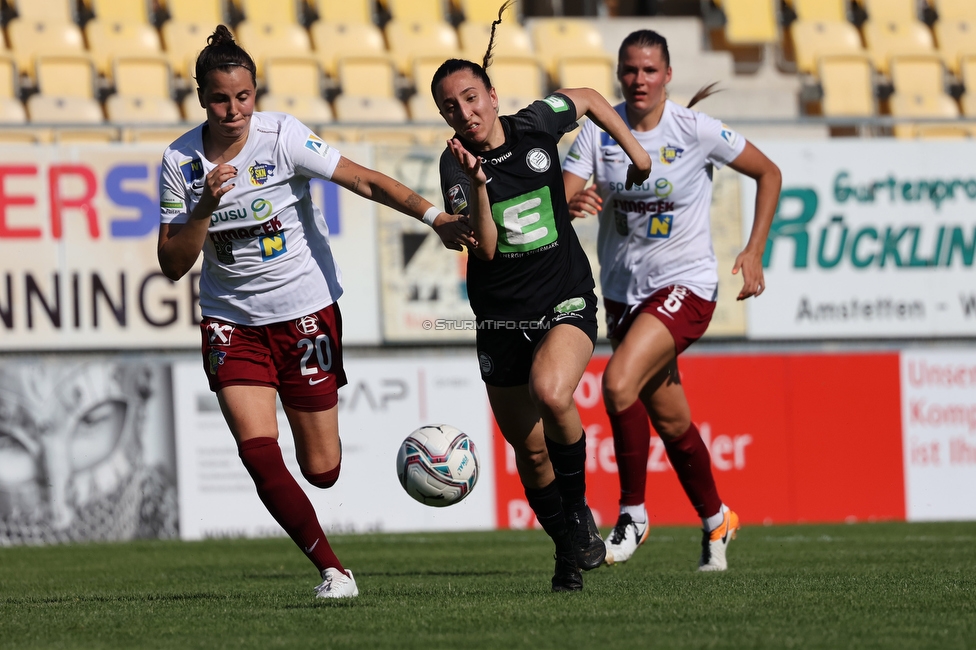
658 234
267 257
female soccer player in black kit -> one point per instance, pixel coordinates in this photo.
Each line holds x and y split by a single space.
530 286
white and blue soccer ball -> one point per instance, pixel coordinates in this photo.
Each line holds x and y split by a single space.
438 465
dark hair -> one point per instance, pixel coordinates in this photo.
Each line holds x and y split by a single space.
222 53
649 38
451 66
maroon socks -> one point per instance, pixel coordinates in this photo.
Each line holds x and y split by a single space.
691 461
631 440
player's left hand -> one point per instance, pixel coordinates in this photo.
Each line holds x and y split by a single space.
753 282
636 176
470 164
454 231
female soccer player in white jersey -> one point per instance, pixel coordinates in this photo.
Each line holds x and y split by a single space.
237 188
659 278
530 286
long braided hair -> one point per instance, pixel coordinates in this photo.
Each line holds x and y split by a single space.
451 66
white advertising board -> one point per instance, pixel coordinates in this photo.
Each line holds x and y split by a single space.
871 239
386 399
78 230
939 434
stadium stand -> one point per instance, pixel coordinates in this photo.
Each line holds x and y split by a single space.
510 40
107 40
367 76
363 110
885 39
344 11
955 10
183 42
272 39
967 73
750 21
11 108
847 81
819 10
410 40
815 38
596 72
479 11
891 11
332 40
294 85
555 37
46 11
264 12
30 39
955 38
416 10
121 11
66 76
201 12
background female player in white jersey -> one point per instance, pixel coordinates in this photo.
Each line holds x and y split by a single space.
237 188
530 286
659 279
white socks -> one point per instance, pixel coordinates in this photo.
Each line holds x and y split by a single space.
637 513
713 522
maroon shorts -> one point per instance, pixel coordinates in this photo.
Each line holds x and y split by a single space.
300 358
684 314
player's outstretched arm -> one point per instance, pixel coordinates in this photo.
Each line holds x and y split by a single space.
371 184
755 164
592 104
179 244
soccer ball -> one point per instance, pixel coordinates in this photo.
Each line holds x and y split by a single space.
437 465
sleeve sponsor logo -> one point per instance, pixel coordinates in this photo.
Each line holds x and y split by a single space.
557 104
730 136
171 203
670 153
456 197
259 173
192 170
273 246
316 144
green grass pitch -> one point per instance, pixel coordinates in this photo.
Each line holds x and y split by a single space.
883 585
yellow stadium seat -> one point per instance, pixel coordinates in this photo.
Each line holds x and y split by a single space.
334 40
598 73
143 77
887 39
367 76
814 39
899 11
310 110
260 12
422 108
510 40
183 43
344 11
53 11
956 10
955 39
484 12
293 76
522 76
416 10
373 110
30 39
848 85
107 40
409 40
66 76
272 39
397 137
825 10
967 72
121 11
423 73
554 37
750 22
920 106
43 109
917 74
191 109
205 12
123 109
11 108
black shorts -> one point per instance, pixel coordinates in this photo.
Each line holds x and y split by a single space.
506 347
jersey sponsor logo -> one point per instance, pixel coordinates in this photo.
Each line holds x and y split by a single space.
214 359
316 144
261 208
659 226
557 104
487 366
269 227
225 252
663 188
219 333
308 325
192 170
273 246
525 223
538 160
729 135
670 153
456 198
643 207
233 214
259 173
495 161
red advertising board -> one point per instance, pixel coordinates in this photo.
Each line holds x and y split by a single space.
793 438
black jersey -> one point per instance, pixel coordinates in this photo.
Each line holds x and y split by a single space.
539 261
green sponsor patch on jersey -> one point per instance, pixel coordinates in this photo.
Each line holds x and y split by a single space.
526 222
170 205
557 104
569 306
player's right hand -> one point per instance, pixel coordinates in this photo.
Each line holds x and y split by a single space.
216 184
454 231
470 164
585 203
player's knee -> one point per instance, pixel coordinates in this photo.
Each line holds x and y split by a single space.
324 480
618 393
552 398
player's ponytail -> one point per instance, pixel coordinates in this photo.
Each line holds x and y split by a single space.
222 53
451 66
649 38
491 40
